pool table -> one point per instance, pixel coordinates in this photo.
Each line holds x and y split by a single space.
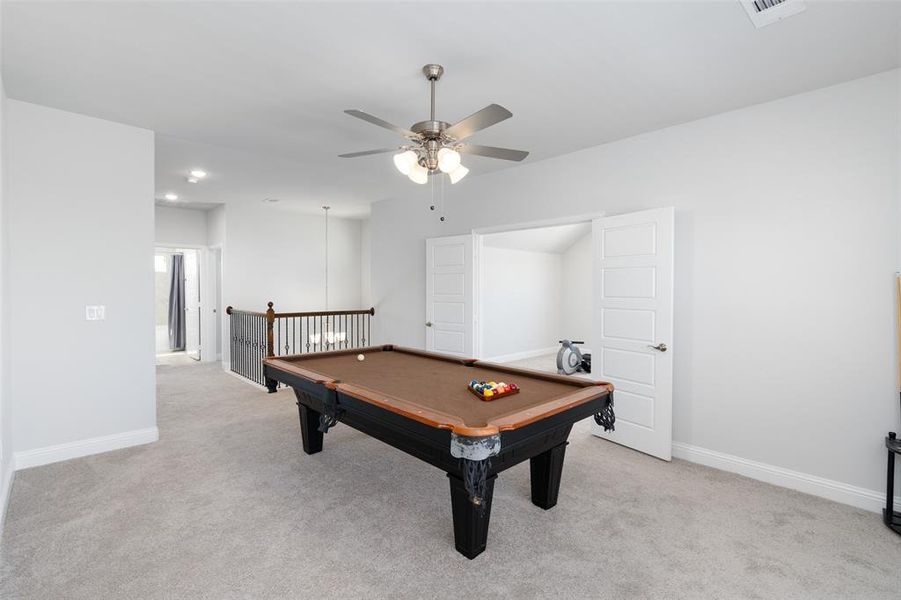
418 402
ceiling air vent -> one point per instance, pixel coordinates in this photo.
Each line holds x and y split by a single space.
767 12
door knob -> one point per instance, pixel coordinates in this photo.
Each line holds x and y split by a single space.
428 323
661 347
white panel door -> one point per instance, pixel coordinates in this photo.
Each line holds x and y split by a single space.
449 295
192 304
632 345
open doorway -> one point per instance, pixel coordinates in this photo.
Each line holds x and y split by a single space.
177 301
535 289
612 287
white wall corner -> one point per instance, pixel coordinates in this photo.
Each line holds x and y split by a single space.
6 487
60 452
871 500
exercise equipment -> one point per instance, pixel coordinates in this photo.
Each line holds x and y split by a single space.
570 359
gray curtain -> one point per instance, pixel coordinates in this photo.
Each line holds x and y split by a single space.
177 303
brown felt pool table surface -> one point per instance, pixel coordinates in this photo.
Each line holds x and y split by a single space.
432 388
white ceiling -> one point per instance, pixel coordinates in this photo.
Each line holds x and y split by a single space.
254 91
554 239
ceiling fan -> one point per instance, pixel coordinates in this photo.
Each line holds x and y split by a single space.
435 146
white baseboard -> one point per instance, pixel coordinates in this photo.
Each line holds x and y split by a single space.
60 452
522 355
809 484
6 486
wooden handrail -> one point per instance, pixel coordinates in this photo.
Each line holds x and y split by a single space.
319 313
325 313
231 310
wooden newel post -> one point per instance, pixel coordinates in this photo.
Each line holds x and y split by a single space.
271 384
270 326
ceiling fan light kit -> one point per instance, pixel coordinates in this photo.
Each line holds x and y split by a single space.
418 174
405 161
448 160
435 146
458 174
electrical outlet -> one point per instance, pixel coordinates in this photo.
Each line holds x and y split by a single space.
94 312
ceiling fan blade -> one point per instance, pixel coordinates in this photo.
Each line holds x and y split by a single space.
377 121
367 152
488 116
492 152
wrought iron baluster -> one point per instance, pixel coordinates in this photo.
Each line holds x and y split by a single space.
261 349
257 357
231 342
248 338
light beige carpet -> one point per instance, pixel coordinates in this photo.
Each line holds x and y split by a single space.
226 505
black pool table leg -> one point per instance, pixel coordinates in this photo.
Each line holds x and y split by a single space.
546 470
309 429
470 521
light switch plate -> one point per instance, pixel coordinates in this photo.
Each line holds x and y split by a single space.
94 312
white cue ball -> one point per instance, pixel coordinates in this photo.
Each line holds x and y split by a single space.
361 357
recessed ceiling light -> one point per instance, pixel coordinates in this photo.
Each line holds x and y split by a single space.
198 173
171 196
192 179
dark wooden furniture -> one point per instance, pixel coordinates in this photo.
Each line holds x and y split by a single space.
890 516
419 402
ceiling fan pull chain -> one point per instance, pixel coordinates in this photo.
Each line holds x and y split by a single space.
441 199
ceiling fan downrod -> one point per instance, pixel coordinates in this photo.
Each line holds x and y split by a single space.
433 73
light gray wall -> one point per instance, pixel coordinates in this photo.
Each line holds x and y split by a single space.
365 265
786 246
520 304
279 255
215 226
80 215
6 441
175 226
576 290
